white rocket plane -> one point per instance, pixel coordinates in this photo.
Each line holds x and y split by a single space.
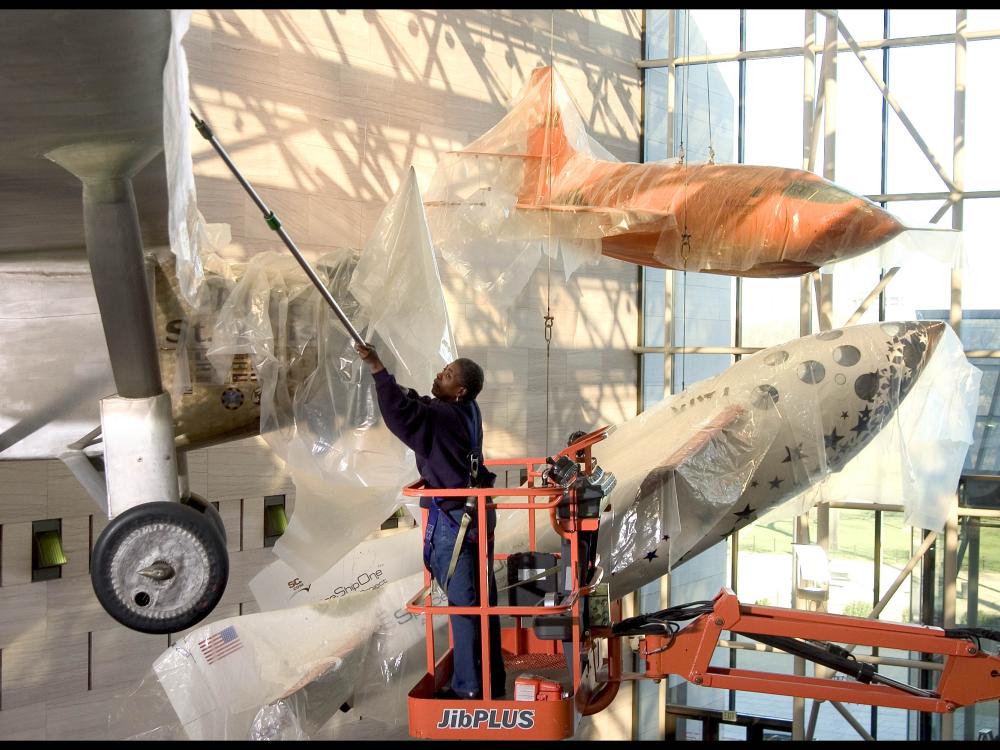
700 465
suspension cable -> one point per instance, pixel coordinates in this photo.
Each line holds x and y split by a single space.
685 234
685 75
708 88
548 319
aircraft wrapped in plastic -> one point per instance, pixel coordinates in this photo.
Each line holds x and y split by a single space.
538 182
880 412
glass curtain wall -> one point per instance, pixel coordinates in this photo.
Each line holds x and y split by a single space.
731 85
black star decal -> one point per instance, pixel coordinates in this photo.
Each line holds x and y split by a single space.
666 537
793 454
745 513
863 417
843 415
753 483
651 555
775 483
832 439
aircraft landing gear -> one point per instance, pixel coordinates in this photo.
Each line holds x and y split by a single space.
161 567
202 505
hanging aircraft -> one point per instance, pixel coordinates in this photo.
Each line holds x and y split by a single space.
538 177
784 422
113 371
85 198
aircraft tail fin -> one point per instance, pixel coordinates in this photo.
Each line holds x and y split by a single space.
543 128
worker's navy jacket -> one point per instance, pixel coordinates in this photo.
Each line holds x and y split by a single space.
437 432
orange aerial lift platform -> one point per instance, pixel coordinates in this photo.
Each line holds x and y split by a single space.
551 691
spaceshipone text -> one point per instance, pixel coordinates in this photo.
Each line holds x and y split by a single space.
364 582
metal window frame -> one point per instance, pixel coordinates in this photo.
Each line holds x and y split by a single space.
821 294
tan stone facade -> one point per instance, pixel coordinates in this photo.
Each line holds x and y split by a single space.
324 111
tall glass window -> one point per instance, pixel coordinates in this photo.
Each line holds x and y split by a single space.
744 71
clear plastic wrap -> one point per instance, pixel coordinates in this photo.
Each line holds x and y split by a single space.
537 182
318 406
283 674
917 457
186 226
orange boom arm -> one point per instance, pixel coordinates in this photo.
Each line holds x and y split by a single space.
970 675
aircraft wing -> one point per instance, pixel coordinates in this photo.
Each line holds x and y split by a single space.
595 222
660 509
283 674
54 362
71 79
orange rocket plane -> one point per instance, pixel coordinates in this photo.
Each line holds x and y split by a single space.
734 219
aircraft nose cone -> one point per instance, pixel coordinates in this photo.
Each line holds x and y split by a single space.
932 330
917 338
851 225
911 345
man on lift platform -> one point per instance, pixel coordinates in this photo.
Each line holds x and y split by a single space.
446 434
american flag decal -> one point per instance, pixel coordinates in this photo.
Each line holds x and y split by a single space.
219 645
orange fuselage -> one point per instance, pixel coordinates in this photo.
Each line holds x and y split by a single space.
737 218
720 218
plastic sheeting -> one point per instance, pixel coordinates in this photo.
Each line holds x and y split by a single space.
286 674
916 459
186 226
882 412
318 410
318 406
537 182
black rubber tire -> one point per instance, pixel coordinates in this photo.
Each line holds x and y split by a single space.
186 520
202 505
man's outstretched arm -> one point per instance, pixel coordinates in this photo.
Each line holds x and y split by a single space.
407 414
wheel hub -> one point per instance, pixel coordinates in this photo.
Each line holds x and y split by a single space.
160 571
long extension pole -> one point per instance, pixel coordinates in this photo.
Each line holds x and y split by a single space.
274 223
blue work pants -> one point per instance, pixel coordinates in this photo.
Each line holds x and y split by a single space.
463 591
